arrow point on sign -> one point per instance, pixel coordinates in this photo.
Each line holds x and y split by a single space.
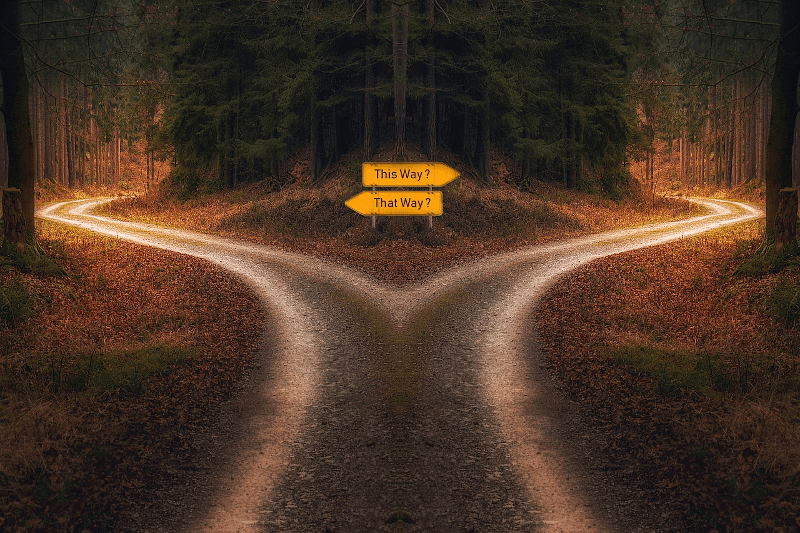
445 174
359 203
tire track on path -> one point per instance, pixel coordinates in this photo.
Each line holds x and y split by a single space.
402 408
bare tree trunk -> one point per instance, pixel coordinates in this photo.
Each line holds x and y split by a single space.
334 150
731 137
14 226
571 165
752 132
38 128
796 158
783 117
482 148
786 219
765 112
371 129
3 154
119 158
227 171
317 141
400 66
62 136
21 169
466 137
429 105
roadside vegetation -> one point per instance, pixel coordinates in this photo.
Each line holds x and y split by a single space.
111 354
687 354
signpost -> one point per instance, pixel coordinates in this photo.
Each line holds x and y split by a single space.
397 203
400 202
407 174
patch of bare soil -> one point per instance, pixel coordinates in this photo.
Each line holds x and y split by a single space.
688 371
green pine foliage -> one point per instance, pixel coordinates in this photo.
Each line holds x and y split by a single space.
254 82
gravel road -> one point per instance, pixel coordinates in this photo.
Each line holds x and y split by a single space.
407 408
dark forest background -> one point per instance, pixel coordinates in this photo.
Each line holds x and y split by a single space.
227 90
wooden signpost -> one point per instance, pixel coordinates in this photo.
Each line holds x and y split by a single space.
401 202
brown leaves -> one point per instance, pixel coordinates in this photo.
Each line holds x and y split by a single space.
70 460
723 456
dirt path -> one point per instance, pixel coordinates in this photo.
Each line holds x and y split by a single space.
402 408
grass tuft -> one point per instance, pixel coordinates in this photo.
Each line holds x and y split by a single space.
766 261
784 301
15 302
670 369
120 371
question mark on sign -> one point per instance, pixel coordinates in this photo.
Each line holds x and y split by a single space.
429 202
427 173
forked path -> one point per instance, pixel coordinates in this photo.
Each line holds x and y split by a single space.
400 408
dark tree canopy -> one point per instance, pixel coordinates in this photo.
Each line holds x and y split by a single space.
254 82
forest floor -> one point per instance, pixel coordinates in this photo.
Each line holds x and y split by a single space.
479 218
111 356
732 422
687 355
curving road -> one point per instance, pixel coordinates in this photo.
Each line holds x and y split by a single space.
401 408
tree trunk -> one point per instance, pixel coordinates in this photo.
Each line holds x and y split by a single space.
371 129
333 137
429 105
729 153
482 148
317 141
466 138
784 112
21 166
571 163
400 65
786 219
14 224
227 175
3 154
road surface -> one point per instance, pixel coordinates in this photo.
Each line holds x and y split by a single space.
419 407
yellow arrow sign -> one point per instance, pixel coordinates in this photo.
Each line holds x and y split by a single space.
407 174
397 203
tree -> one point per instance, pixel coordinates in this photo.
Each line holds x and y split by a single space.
21 169
782 122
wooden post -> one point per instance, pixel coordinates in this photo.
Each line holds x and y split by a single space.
13 219
786 219
430 218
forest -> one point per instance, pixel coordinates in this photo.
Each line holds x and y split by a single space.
226 91
597 328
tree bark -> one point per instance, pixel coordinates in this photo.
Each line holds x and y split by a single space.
317 140
786 219
3 154
14 224
571 162
784 113
731 137
429 105
371 130
227 174
21 166
400 66
482 148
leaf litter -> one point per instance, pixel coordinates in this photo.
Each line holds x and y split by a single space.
689 376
